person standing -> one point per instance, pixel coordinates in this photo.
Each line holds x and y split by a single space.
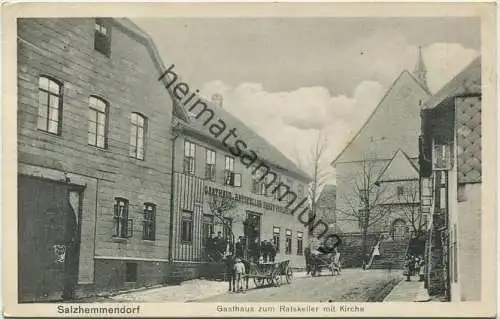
240 248
272 251
239 271
264 249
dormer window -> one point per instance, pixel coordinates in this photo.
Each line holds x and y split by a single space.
102 36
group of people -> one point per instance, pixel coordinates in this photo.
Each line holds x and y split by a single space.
216 246
262 252
258 252
414 266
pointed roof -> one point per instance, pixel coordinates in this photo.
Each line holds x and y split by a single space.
420 71
420 67
266 152
399 168
405 80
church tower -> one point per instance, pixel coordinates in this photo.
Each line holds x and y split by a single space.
420 71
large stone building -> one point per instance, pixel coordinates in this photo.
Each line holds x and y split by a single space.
96 166
451 170
93 150
377 171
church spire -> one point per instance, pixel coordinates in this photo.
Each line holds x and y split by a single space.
420 71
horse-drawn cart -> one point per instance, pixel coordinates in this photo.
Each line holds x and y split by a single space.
270 274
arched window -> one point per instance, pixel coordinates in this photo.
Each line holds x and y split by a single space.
49 105
98 122
138 124
399 229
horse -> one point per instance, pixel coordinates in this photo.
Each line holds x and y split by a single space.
231 275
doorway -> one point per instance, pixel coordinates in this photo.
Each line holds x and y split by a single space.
48 239
251 230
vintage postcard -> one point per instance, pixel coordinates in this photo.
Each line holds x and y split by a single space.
264 160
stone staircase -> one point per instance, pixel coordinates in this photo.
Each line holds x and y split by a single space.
392 255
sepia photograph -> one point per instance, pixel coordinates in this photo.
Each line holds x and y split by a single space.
232 160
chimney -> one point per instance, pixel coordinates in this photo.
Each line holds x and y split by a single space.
217 100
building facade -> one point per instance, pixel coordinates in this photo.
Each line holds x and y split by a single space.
378 168
93 150
101 167
450 179
207 174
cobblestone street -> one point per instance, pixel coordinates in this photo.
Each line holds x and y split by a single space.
351 285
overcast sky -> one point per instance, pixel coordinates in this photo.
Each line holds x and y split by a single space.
289 78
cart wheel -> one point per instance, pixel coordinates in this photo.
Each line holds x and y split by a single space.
259 282
277 280
289 275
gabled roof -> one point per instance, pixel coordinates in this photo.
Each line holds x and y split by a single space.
466 82
382 102
265 151
400 167
132 29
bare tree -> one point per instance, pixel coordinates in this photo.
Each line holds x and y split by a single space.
367 203
410 206
222 208
320 172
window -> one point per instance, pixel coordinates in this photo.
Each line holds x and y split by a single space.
441 157
208 228
230 177
130 272
187 227
210 165
137 133
189 155
123 224
290 184
258 186
400 190
49 106
276 238
228 170
102 37
277 190
269 184
288 242
98 110
300 243
149 221
399 230
255 186
236 180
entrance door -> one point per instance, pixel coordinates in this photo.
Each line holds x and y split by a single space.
399 230
252 234
48 236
